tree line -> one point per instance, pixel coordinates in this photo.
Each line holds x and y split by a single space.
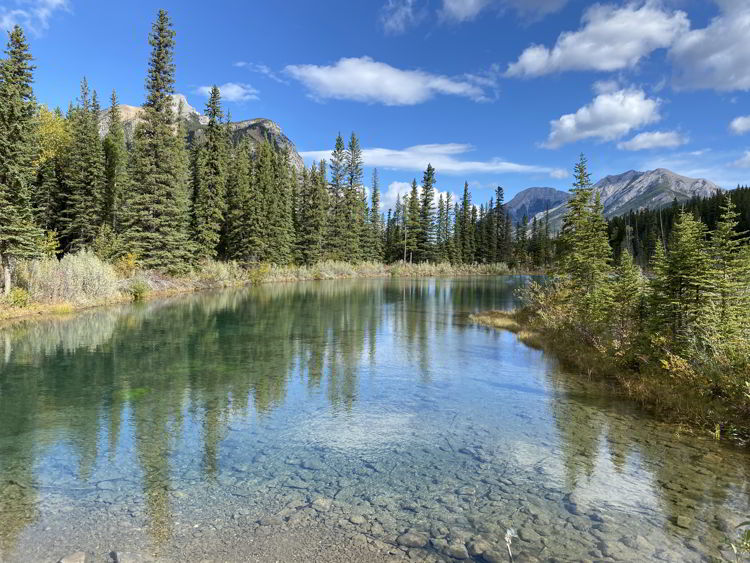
170 203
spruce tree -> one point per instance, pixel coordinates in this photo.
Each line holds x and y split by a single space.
19 236
375 246
85 177
238 230
412 224
210 188
279 200
116 164
338 218
313 208
156 220
353 201
426 242
730 274
467 227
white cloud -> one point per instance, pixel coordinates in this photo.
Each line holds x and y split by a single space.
32 15
463 10
231 92
654 140
611 38
740 125
366 80
444 157
398 15
608 117
743 162
260 69
718 56
396 189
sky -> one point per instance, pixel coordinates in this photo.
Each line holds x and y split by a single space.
491 92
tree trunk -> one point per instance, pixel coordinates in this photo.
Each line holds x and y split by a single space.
6 274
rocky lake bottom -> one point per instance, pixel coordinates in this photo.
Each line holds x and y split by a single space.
342 421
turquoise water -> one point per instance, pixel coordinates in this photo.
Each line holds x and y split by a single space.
365 408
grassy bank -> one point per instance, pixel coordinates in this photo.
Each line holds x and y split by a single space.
648 384
81 281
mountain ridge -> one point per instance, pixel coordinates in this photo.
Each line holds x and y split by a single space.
634 190
256 130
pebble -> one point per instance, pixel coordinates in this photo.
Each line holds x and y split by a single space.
357 519
457 551
77 557
322 504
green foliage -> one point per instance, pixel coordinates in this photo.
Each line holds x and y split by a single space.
18 297
19 235
116 164
138 289
210 183
155 221
107 244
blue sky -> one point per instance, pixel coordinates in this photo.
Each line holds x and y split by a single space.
493 92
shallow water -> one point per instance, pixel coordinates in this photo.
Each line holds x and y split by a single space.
188 427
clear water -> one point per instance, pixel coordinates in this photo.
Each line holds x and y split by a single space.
164 427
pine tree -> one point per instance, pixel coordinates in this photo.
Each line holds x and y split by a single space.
375 245
155 225
54 147
628 294
85 178
19 236
440 241
426 242
467 227
260 200
338 219
730 274
412 223
448 229
238 228
116 164
353 201
209 191
681 284
279 200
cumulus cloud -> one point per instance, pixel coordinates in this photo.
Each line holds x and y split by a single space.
743 162
33 15
740 125
231 92
608 117
717 56
444 157
366 80
654 140
611 38
398 15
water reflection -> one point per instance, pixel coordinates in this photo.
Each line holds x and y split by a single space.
119 410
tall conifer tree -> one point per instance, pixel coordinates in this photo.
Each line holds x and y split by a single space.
156 221
19 236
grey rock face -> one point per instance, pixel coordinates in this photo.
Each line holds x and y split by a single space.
254 130
531 201
633 190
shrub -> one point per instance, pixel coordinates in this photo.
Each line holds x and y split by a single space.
106 244
212 273
80 279
18 297
127 264
138 289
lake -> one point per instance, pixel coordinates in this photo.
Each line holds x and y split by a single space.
351 420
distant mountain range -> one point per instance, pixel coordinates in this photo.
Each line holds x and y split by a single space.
254 129
531 201
632 191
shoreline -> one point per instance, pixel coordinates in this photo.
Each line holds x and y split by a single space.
183 286
659 396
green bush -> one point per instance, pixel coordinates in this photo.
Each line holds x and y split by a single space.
138 289
18 297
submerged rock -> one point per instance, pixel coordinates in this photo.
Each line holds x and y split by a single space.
412 539
77 557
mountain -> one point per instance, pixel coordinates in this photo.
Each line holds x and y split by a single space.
635 190
531 201
254 129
